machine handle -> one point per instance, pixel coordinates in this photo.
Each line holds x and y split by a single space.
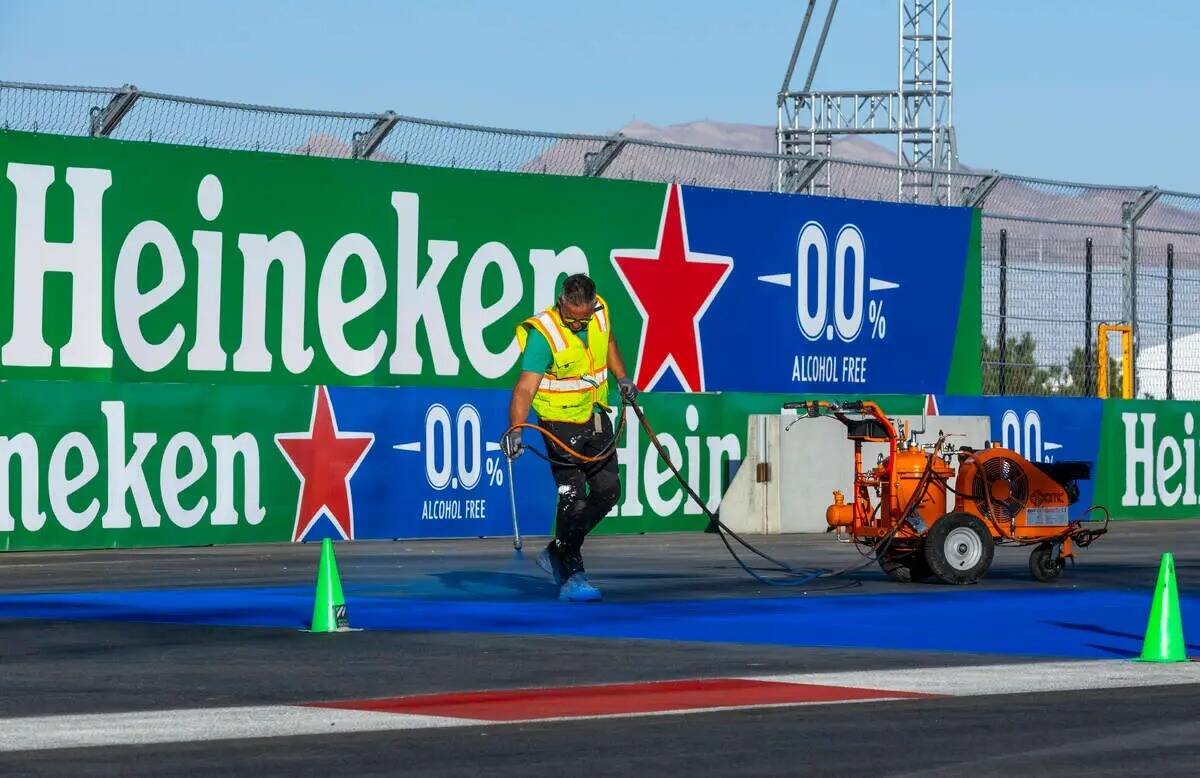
811 408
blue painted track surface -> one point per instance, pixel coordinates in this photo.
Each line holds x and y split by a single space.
1037 622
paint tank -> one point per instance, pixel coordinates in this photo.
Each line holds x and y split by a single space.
910 467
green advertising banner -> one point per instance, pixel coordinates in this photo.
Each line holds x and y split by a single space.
1147 459
181 264
128 261
90 465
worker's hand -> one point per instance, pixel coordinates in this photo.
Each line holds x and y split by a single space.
628 388
511 444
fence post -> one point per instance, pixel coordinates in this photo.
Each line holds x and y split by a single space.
798 179
596 162
1002 333
1130 213
976 195
1170 321
104 120
364 143
1088 366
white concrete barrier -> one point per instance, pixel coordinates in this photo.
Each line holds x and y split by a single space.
807 459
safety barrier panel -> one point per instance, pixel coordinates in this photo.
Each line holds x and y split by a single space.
252 347
94 464
257 268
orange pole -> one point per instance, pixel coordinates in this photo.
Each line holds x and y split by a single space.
1102 362
1127 362
1127 365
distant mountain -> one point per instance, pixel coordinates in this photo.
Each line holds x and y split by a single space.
748 137
324 145
638 161
1025 199
1084 208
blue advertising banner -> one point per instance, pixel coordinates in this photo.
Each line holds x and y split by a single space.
819 294
435 469
1041 429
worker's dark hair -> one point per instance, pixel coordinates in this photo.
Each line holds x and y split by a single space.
578 290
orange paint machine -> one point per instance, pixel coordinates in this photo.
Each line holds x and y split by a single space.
901 509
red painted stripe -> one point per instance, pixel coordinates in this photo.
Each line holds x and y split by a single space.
614 699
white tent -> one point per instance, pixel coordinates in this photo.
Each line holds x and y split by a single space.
1185 369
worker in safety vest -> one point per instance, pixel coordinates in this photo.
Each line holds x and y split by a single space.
567 356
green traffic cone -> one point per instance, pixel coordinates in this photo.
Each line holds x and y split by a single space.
329 606
1164 632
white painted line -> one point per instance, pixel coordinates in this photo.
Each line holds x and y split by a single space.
45 733
780 279
39 733
879 285
408 446
35 733
1028 678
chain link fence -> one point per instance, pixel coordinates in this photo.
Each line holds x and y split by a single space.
1059 258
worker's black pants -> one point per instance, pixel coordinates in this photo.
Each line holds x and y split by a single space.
587 491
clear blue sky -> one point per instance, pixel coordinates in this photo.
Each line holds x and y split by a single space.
1090 90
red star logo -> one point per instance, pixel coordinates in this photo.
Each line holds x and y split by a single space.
672 287
324 460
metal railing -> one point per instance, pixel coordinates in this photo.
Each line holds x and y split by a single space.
1059 258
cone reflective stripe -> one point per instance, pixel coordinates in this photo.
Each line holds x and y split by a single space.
1164 632
329 606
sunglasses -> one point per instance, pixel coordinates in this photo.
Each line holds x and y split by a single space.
568 320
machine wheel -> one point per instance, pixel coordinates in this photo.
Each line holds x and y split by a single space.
959 548
905 566
1043 565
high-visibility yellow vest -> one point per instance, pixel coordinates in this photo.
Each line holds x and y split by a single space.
578 377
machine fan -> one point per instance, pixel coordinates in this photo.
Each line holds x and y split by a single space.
1006 482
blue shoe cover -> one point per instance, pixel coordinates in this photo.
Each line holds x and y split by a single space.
579 589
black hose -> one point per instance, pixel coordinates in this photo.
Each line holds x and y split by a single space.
791 575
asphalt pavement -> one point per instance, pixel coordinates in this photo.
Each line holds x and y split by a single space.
175 629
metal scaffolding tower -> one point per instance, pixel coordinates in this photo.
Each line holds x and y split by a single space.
918 115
